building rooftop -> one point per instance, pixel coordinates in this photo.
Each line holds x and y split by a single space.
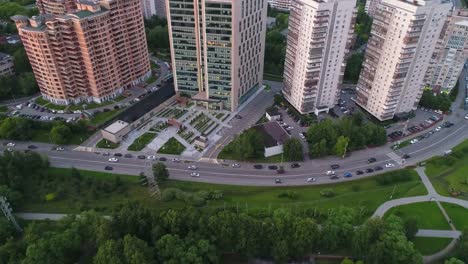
4 56
273 133
116 127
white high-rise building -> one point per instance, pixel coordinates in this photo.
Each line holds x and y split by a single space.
403 37
371 6
450 54
149 8
320 35
217 49
283 5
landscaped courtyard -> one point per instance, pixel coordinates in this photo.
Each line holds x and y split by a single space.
172 146
141 142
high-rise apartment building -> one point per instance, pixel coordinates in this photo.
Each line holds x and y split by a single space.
320 33
56 7
450 54
283 5
399 50
92 54
149 8
371 6
161 8
217 49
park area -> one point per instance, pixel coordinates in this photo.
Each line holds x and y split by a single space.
141 142
172 146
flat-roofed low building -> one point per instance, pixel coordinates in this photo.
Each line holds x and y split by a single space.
116 131
7 67
274 137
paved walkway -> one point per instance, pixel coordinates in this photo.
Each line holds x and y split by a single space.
438 233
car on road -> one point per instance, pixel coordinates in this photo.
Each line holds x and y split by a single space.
273 167
335 177
32 147
238 116
295 165
466 116
11 144
406 156
117 154
113 159
236 165
311 179
334 166
59 149
378 168
330 172
371 160
414 141
192 167
151 157
359 172
258 166
176 160
347 174
278 181
141 157
162 159
106 154
128 155
109 168
369 170
438 128
389 165
195 174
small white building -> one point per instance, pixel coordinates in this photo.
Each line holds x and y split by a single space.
274 137
272 114
116 131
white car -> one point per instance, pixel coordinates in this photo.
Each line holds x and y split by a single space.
466 116
195 174
330 172
389 165
59 149
235 165
311 179
151 157
438 129
11 144
414 141
192 167
113 159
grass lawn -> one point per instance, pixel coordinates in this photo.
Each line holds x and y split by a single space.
430 245
141 142
43 135
104 143
364 193
3 109
103 117
445 177
458 214
151 79
41 101
427 214
172 146
91 105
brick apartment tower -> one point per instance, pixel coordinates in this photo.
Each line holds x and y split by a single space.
403 37
319 37
217 49
91 54
56 7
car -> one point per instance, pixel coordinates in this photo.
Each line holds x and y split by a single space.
334 166
192 167
9 149
162 159
109 168
118 155
371 160
335 177
347 174
195 174
466 116
369 170
330 172
141 157
438 128
359 172
11 144
113 159
272 167
128 155
406 156
311 179
258 166
278 181
235 165
32 147
106 154
59 149
238 116
389 165
378 168
414 141
176 160
295 165
151 157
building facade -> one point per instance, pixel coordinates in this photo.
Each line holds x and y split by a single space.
92 54
160 8
56 7
283 5
217 49
403 37
7 67
450 54
320 34
149 8
371 6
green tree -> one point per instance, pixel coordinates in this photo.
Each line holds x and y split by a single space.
454 261
461 251
109 252
27 83
319 149
411 228
136 251
341 146
22 64
160 172
60 134
292 149
16 128
353 68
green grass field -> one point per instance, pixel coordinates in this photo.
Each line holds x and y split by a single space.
458 214
104 143
43 135
365 194
427 214
430 245
172 146
103 117
141 142
446 177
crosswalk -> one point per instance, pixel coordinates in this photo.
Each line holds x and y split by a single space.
395 157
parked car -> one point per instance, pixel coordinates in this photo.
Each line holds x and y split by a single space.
335 177
272 167
330 172
378 168
141 157
236 165
118 154
295 165
258 166
359 172
369 170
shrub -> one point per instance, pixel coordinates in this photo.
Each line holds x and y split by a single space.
327 192
289 194
216 195
393 177
196 200
169 194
